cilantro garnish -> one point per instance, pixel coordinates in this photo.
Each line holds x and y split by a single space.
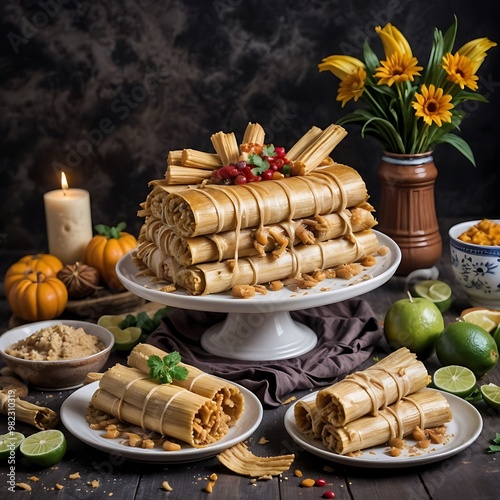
495 448
261 165
167 369
268 150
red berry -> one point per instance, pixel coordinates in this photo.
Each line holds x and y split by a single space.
279 162
223 173
255 178
241 164
328 494
268 175
280 151
233 171
240 179
320 482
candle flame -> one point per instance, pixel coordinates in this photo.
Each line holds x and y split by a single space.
64 183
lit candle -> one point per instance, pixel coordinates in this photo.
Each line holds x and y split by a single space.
69 222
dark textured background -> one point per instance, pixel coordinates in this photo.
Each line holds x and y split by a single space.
106 89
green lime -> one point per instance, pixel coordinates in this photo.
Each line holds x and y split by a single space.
127 338
491 394
44 448
455 379
414 323
496 335
110 320
436 291
9 443
466 344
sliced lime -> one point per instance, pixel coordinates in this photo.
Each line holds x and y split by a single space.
44 448
455 379
127 338
110 320
9 443
484 318
436 291
491 394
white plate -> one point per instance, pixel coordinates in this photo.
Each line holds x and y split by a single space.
464 429
283 300
73 412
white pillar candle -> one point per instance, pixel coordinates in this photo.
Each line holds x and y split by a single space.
69 222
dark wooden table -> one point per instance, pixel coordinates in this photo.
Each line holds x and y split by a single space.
472 474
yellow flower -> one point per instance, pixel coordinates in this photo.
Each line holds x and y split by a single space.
393 40
399 67
460 70
432 105
475 50
352 75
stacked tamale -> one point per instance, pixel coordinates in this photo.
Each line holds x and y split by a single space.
371 407
199 410
208 238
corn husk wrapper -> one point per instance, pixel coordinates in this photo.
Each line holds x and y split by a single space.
222 392
366 392
222 246
424 408
214 209
40 417
129 395
216 277
155 200
308 419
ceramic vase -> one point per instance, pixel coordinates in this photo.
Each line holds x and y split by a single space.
407 211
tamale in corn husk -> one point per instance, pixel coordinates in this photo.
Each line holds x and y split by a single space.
254 134
40 417
129 395
366 392
214 209
222 392
308 419
222 246
179 175
215 277
425 408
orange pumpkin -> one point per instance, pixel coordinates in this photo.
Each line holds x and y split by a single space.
104 251
45 263
37 297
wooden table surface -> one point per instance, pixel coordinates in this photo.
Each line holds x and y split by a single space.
471 474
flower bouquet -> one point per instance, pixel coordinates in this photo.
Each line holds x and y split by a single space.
410 109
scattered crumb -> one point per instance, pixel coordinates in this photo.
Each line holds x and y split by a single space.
76 475
263 440
298 473
59 486
23 486
95 483
166 486
34 478
289 400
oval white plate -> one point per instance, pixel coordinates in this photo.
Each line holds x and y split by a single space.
330 290
463 430
73 412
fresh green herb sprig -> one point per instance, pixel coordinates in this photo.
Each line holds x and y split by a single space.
144 322
167 369
495 448
261 165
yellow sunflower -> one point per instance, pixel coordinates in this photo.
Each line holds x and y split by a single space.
352 75
460 70
398 67
433 105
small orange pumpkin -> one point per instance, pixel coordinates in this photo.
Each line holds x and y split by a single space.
45 263
37 297
105 249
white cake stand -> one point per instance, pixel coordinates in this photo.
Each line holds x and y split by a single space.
261 328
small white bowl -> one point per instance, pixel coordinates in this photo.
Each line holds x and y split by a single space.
61 374
476 268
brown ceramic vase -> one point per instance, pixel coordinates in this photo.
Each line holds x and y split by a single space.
407 212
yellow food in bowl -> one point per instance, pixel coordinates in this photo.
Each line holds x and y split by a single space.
485 232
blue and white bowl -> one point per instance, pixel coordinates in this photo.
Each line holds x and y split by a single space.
476 268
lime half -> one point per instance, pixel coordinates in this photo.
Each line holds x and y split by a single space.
9 443
127 338
436 291
455 379
44 448
491 394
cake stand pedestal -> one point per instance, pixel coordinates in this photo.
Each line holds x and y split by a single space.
261 328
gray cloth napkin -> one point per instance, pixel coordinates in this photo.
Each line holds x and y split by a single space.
347 334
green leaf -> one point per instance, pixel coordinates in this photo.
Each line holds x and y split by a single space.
109 231
458 143
268 150
494 448
166 369
128 321
261 165
160 314
497 438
